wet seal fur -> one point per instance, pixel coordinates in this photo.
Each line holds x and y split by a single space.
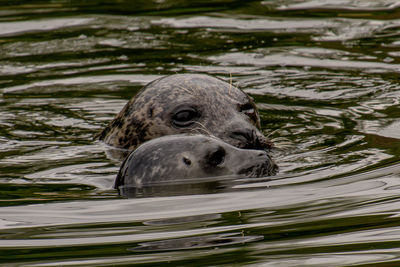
187 103
180 157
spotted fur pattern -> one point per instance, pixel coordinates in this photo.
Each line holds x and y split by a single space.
220 104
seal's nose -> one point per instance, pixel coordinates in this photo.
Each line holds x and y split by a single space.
271 168
262 153
250 139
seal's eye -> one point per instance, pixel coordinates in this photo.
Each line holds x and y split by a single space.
249 110
185 117
217 156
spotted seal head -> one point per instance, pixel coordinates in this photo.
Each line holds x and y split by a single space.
187 103
180 157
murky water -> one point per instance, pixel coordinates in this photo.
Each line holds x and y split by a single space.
324 74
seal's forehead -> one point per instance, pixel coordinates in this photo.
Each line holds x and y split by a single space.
194 86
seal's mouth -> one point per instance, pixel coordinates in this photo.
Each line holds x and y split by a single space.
259 170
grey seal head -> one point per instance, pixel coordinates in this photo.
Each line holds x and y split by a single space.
187 103
180 157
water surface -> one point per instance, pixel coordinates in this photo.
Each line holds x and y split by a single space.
325 77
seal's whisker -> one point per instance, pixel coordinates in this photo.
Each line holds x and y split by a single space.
185 89
282 144
274 131
237 84
199 131
195 131
203 127
230 83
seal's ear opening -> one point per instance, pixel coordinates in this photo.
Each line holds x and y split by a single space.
187 161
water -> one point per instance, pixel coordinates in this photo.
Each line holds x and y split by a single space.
324 74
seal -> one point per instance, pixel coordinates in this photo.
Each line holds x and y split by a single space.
187 103
182 157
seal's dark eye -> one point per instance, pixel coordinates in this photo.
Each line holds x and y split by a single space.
185 117
249 110
217 156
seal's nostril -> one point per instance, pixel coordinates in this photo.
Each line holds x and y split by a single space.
243 134
250 139
262 154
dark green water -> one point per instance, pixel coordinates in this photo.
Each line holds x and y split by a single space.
324 74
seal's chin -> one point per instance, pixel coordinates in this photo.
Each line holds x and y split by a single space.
259 170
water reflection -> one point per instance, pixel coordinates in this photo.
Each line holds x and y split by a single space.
196 242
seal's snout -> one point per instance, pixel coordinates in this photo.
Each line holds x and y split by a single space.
250 139
260 164
262 154
273 168
269 165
